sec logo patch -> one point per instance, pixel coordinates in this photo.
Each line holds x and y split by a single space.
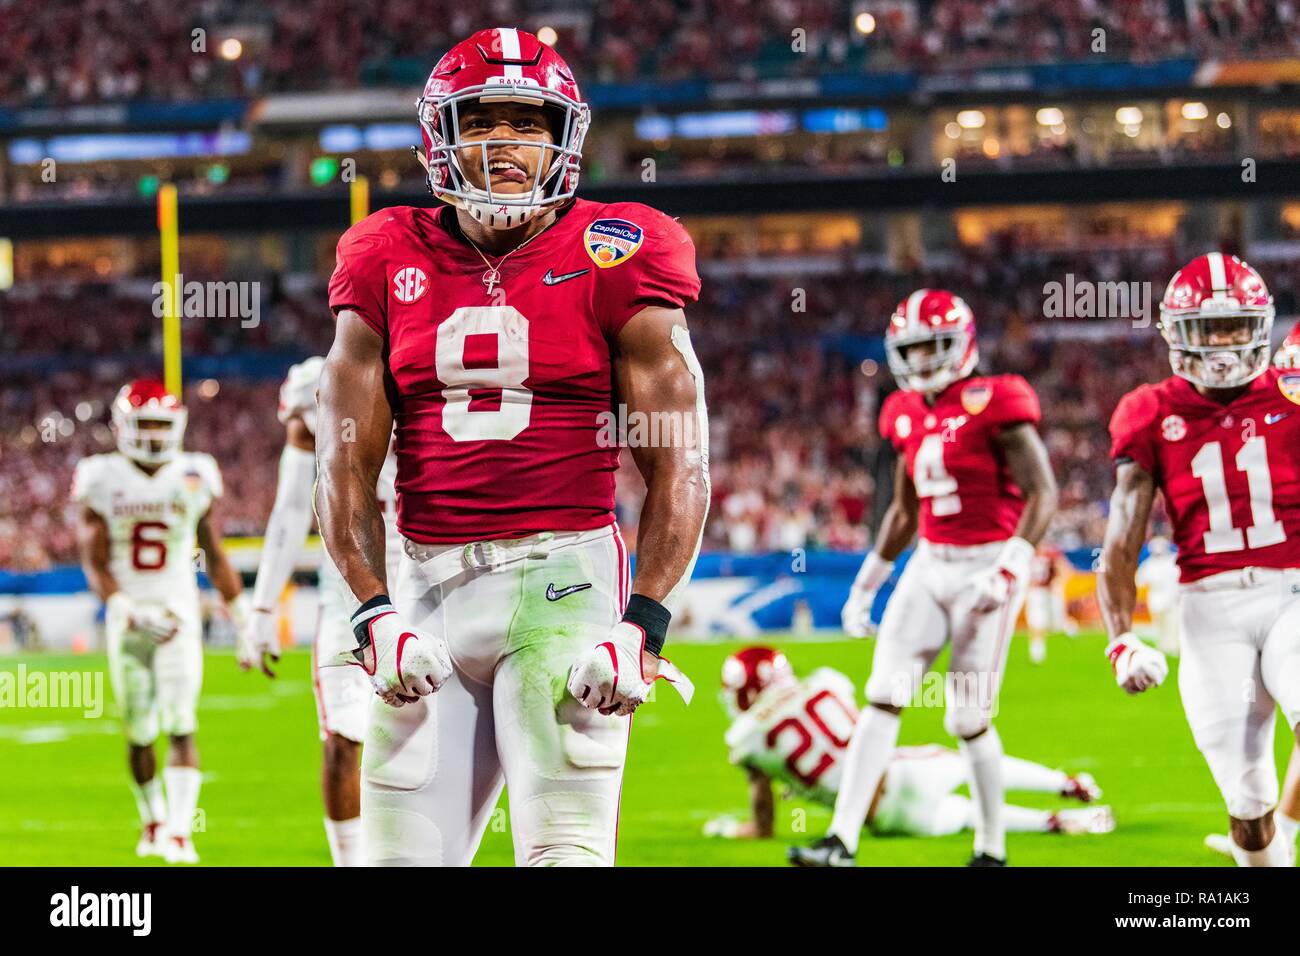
409 284
611 241
1173 428
976 398
903 426
1289 386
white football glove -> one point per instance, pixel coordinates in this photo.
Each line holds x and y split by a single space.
154 622
855 616
993 588
404 663
608 676
1138 666
259 638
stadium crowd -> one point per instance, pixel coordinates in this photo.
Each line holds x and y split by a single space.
118 50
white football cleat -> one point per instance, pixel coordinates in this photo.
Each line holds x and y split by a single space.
151 841
1091 820
1220 843
179 849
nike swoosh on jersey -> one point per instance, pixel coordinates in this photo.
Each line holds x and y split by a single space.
554 595
1272 418
551 279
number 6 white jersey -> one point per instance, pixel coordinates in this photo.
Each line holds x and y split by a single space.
1230 473
151 522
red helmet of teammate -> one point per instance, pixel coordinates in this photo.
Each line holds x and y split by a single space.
1288 353
750 671
149 422
930 341
1217 315
502 65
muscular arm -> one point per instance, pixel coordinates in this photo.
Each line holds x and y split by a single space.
1027 459
1130 507
656 375
354 426
898 526
92 543
220 571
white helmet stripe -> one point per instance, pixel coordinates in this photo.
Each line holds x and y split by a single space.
914 309
510 51
1218 274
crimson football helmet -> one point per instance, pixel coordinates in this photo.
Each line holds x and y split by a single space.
1217 316
502 65
941 320
149 422
1288 353
749 672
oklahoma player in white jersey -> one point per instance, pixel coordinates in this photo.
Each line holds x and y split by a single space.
795 732
342 693
497 333
1219 439
143 508
974 476
1045 608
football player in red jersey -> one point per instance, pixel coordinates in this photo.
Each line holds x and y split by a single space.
494 333
973 476
1218 439
1288 353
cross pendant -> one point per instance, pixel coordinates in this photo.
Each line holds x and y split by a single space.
491 279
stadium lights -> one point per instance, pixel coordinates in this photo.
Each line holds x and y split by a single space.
1050 116
548 35
1128 116
952 130
970 119
865 24
1195 111
1224 121
231 48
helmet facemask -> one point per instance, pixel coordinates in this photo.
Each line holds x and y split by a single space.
554 180
1223 347
950 360
150 436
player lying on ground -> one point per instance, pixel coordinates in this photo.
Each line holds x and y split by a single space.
342 693
496 333
143 508
974 477
794 732
1220 439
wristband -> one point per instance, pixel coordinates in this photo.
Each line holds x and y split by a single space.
1119 645
1017 556
874 572
652 618
361 618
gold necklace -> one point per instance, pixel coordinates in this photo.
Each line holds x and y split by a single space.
492 277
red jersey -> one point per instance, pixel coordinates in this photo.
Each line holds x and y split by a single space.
498 395
953 458
1230 474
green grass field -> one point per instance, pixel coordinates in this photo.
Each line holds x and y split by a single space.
64 799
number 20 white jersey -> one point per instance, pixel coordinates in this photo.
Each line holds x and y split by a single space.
798 733
151 522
